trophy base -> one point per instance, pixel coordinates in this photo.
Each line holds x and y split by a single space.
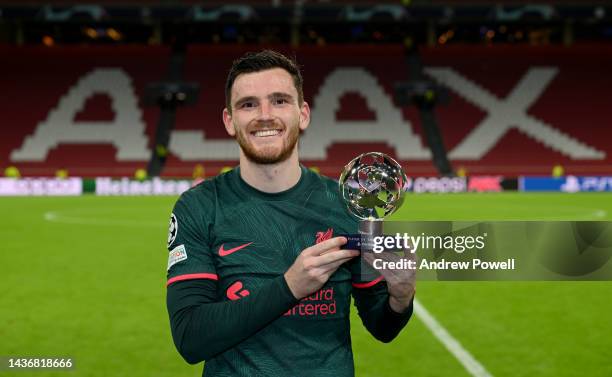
368 229
371 227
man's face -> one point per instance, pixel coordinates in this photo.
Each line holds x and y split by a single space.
266 117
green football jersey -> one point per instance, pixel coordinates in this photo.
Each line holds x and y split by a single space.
225 230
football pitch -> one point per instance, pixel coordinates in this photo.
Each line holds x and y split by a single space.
84 278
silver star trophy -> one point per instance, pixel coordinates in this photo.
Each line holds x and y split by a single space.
372 186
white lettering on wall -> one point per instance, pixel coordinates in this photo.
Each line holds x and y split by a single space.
126 132
510 112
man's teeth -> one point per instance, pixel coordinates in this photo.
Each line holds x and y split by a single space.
264 133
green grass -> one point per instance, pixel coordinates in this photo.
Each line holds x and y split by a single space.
90 284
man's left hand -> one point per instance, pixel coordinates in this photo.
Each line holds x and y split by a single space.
401 283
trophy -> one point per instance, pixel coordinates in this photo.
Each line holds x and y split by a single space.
372 186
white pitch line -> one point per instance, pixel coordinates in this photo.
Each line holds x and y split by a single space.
452 345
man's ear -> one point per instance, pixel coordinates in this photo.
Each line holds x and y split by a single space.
304 116
227 121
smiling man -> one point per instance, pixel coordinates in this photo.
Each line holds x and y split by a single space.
257 283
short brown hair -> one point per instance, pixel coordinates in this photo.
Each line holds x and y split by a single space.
261 61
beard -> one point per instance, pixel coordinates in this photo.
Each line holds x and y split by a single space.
268 155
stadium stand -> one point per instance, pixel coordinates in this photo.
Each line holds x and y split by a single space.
514 109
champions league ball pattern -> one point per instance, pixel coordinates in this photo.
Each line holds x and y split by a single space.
372 185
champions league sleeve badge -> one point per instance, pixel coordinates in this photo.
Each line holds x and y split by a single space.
172 230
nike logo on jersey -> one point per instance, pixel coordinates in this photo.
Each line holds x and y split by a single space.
224 253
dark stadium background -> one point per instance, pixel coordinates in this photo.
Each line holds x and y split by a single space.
47 48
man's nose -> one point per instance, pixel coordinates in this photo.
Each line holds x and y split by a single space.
265 111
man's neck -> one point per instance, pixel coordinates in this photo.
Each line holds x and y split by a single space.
271 178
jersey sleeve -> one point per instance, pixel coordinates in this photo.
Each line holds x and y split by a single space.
189 253
363 275
379 319
202 328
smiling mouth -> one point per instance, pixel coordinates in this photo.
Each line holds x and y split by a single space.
266 133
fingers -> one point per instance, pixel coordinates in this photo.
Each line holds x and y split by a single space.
384 256
392 256
391 274
369 258
315 265
326 246
334 256
328 252
409 254
333 266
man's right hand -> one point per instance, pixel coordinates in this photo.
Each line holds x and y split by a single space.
315 265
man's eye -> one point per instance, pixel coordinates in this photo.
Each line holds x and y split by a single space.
281 101
246 105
